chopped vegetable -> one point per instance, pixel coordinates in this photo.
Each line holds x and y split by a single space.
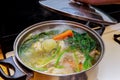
76 62
34 38
59 52
80 66
49 44
88 62
63 35
59 57
72 64
85 44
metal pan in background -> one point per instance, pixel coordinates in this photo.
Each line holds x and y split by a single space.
78 11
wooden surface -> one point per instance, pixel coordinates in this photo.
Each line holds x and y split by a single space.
3 67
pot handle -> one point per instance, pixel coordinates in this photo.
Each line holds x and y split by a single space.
99 28
117 38
9 62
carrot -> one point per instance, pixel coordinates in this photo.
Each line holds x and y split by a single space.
63 35
80 66
75 66
72 64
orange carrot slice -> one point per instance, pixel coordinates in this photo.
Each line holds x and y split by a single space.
80 66
72 64
63 35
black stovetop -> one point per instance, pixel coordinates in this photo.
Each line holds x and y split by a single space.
19 14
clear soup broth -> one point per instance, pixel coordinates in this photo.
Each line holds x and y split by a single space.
59 51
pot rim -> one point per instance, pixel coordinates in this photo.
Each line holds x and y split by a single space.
84 27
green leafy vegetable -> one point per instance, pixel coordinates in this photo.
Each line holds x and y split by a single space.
27 44
85 44
57 51
76 62
59 57
87 64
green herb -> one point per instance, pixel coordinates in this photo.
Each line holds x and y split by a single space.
85 44
87 64
76 62
57 51
59 57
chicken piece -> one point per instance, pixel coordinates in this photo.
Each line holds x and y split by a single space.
65 70
94 53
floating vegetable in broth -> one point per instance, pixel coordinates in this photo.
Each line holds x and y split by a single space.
59 52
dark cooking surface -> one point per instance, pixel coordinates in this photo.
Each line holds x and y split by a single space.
19 14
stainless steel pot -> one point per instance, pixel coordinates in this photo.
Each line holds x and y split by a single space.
42 26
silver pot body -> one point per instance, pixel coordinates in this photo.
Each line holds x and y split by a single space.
42 26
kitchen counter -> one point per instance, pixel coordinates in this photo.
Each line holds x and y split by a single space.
109 67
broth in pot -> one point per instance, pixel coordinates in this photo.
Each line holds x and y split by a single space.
60 50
